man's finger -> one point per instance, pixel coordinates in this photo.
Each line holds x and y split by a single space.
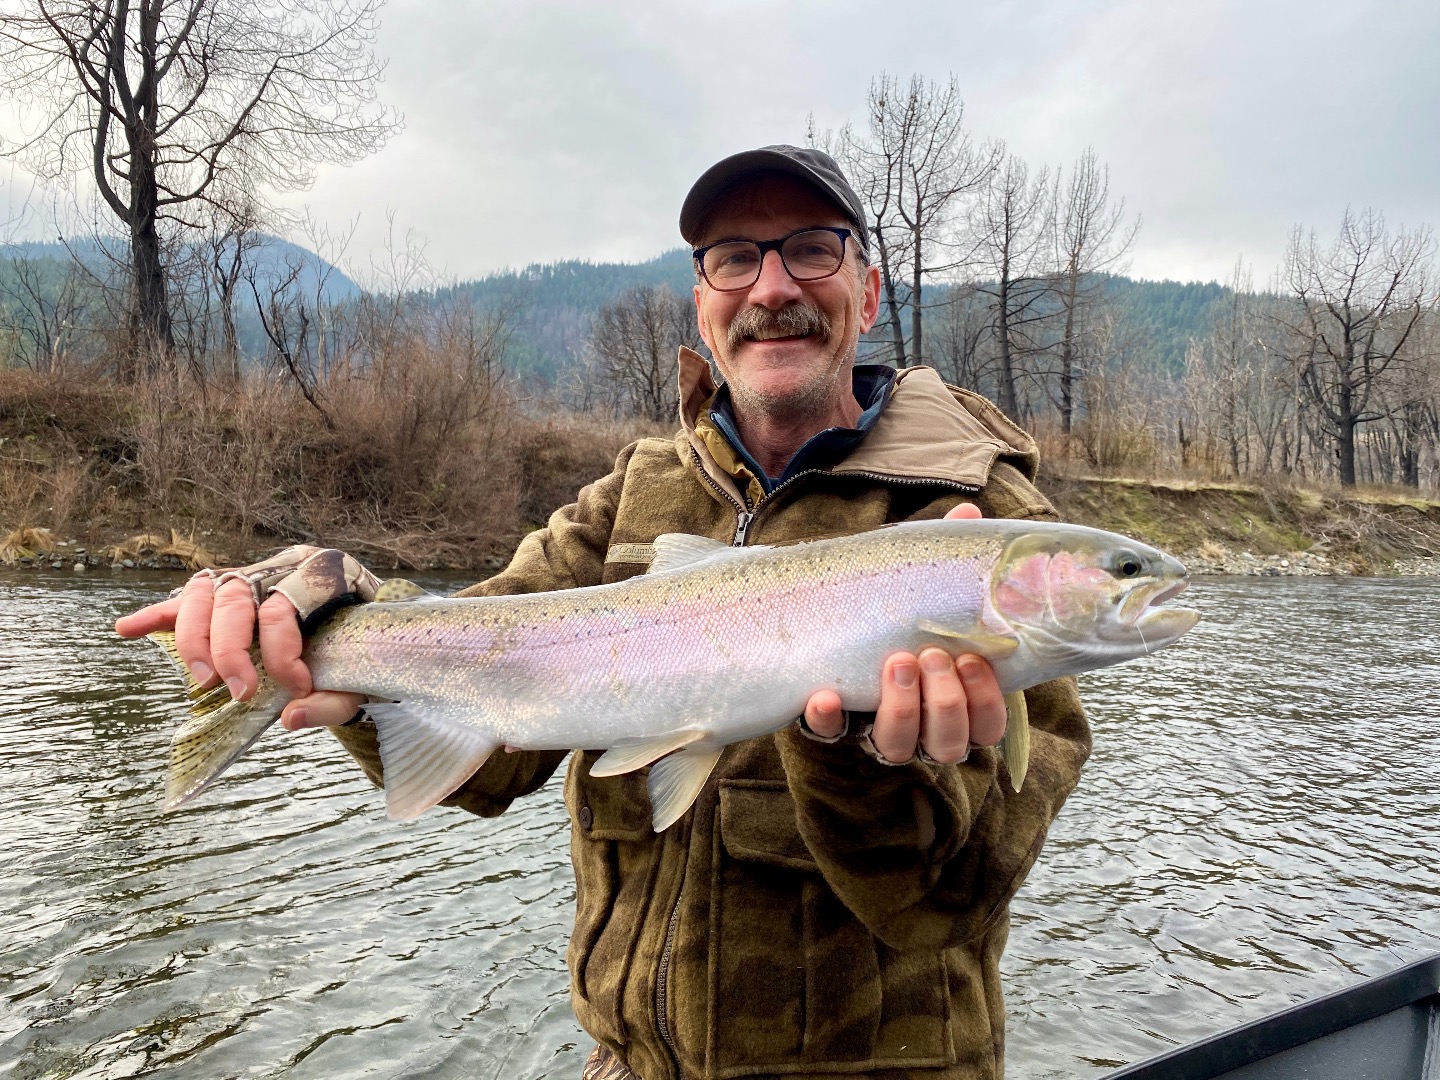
897 720
232 629
327 708
964 511
281 645
192 628
147 620
945 717
823 714
986 700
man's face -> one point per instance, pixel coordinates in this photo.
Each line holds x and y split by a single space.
792 375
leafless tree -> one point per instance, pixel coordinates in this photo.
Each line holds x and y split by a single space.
1356 306
1009 226
1092 238
912 166
168 104
634 340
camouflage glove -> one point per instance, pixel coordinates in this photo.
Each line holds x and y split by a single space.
318 581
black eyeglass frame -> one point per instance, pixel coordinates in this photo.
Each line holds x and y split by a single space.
777 246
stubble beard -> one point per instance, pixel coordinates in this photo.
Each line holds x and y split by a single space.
817 396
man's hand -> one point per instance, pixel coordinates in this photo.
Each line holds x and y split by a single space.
927 701
214 627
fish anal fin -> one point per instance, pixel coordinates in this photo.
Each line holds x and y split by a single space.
636 754
990 646
1015 746
425 755
675 781
209 743
395 589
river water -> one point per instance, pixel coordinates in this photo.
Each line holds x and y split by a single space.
1255 828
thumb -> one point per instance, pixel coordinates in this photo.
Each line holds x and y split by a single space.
965 511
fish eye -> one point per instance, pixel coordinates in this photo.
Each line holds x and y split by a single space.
1128 566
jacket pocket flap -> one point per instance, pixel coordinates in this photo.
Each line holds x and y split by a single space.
757 823
611 807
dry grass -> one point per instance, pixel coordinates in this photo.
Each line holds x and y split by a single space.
25 542
425 461
151 545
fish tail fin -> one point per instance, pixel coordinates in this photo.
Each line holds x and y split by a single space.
210 742
1015 746
425 755
218 731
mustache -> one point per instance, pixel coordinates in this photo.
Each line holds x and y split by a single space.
792 320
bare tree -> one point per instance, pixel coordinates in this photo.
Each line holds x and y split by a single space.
1356 306
912 165
167 104
634 340
1009 224
1091 239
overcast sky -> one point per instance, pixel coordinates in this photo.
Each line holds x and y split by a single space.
539 130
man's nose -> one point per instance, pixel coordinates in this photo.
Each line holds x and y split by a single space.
774 288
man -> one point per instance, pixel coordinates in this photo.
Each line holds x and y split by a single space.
836 901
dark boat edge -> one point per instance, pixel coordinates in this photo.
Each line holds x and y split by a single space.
1292 1027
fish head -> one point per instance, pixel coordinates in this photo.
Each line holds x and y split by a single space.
1081 598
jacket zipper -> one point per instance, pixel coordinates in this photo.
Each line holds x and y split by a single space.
662 985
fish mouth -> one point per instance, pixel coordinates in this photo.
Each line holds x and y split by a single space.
1158 625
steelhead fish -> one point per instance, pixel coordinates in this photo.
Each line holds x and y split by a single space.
715 644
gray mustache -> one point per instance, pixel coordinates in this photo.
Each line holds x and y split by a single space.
797 318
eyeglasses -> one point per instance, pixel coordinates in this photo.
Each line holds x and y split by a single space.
807 254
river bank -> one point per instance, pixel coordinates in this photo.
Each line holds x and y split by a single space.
1214 528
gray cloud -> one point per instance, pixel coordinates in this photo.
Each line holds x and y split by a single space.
567 129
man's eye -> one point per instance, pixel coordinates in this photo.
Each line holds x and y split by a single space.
730 259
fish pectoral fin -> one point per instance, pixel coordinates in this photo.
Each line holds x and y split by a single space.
676 550
210 742
675 781
1015 746
425 755
632 754
395 589
990 646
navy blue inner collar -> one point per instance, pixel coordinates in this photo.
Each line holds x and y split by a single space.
872 384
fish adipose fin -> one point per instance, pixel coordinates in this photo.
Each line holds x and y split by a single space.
676 550
218 731
397 589
990 646
425 755
1015 746
635 754
675 781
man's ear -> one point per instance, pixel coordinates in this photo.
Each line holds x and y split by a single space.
700 321
869 298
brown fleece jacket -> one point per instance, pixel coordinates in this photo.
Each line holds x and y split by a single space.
816 913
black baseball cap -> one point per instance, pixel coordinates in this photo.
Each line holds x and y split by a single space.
815 167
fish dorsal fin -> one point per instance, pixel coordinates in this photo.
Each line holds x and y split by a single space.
676 550
675 781
395 589
425 754
632 754
990 646
1015 746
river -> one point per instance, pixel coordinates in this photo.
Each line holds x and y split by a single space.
1255 828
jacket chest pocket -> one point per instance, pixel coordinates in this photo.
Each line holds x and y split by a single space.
796 978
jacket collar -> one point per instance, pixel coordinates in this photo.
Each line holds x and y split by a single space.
930 432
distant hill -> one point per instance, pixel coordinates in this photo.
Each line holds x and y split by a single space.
272 259
552 305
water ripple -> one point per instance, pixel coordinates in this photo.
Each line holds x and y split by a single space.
1251 831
